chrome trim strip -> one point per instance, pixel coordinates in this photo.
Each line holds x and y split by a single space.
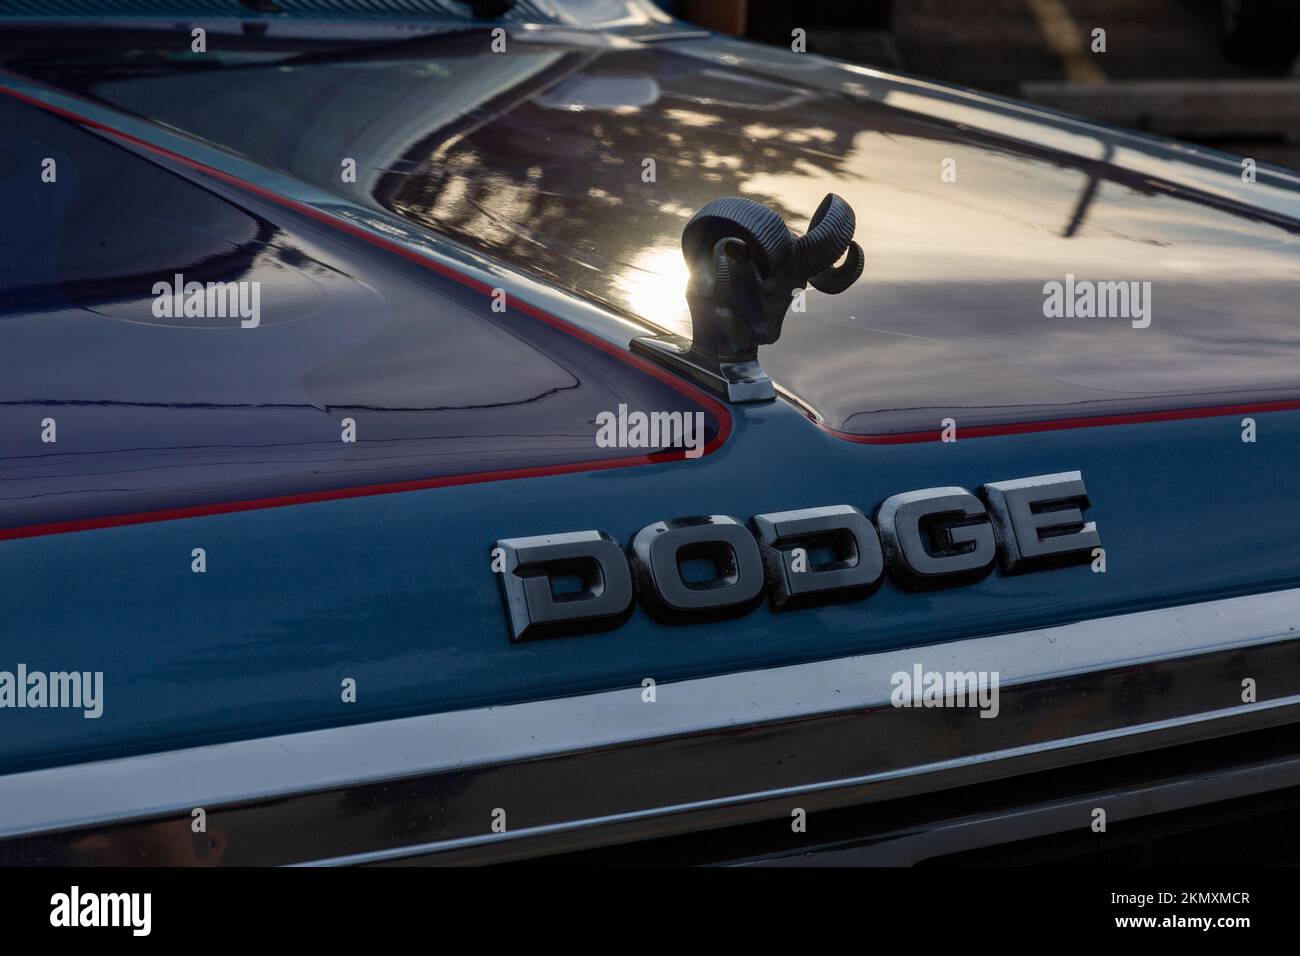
709 751
911 845
869 788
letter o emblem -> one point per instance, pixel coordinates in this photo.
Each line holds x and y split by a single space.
660 550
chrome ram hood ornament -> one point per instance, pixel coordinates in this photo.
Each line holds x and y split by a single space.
746 269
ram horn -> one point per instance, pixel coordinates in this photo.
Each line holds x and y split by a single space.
830 236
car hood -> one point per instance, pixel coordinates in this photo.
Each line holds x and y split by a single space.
578 157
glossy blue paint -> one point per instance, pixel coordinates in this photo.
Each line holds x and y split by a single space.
396 590
537 165
178 411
